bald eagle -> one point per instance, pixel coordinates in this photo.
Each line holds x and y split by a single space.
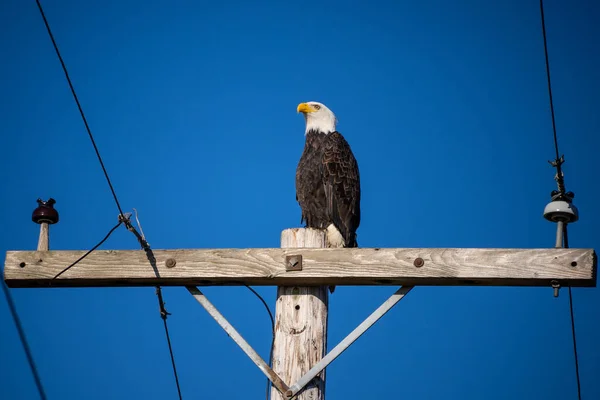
327 178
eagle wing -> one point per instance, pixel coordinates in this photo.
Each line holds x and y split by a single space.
341 180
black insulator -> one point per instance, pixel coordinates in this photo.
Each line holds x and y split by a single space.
45 212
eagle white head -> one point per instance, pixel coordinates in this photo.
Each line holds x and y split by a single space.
318 117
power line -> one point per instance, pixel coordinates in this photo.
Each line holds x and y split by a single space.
21 331
163 315
266 306
17 320
87 253
87 127
161 303
561 191
574 344
558 161
268 389
566 246
548 77
122 218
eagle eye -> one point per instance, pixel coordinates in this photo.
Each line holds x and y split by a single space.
317 107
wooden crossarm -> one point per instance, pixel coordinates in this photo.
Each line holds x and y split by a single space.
356 266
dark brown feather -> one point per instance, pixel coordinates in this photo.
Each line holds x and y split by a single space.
328 185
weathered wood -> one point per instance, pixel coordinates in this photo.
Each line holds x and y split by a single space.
356 266
300 324
44 239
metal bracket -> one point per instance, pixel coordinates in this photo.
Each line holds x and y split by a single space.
237 338
348 340
293 262
291 391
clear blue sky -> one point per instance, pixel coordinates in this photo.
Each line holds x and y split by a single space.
193 106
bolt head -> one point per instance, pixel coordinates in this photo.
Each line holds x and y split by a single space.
293 263
170 262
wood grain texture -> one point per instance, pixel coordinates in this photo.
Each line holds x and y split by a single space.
44 239
355 266
300 324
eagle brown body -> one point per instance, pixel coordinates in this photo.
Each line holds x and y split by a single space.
328 180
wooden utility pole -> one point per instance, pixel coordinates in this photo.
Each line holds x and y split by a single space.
300 322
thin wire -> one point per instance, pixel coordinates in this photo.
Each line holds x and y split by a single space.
122 217
19 327
549 82
268 393
163 314
561 188
566 246
15 315
87 127
268 389
86 254
161 303
558 160
266 306
574 344
172 356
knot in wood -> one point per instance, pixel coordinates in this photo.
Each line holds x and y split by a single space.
170 263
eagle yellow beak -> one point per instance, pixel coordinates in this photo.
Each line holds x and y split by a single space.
305 108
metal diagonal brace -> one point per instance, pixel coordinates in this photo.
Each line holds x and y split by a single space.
230 330
348 340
